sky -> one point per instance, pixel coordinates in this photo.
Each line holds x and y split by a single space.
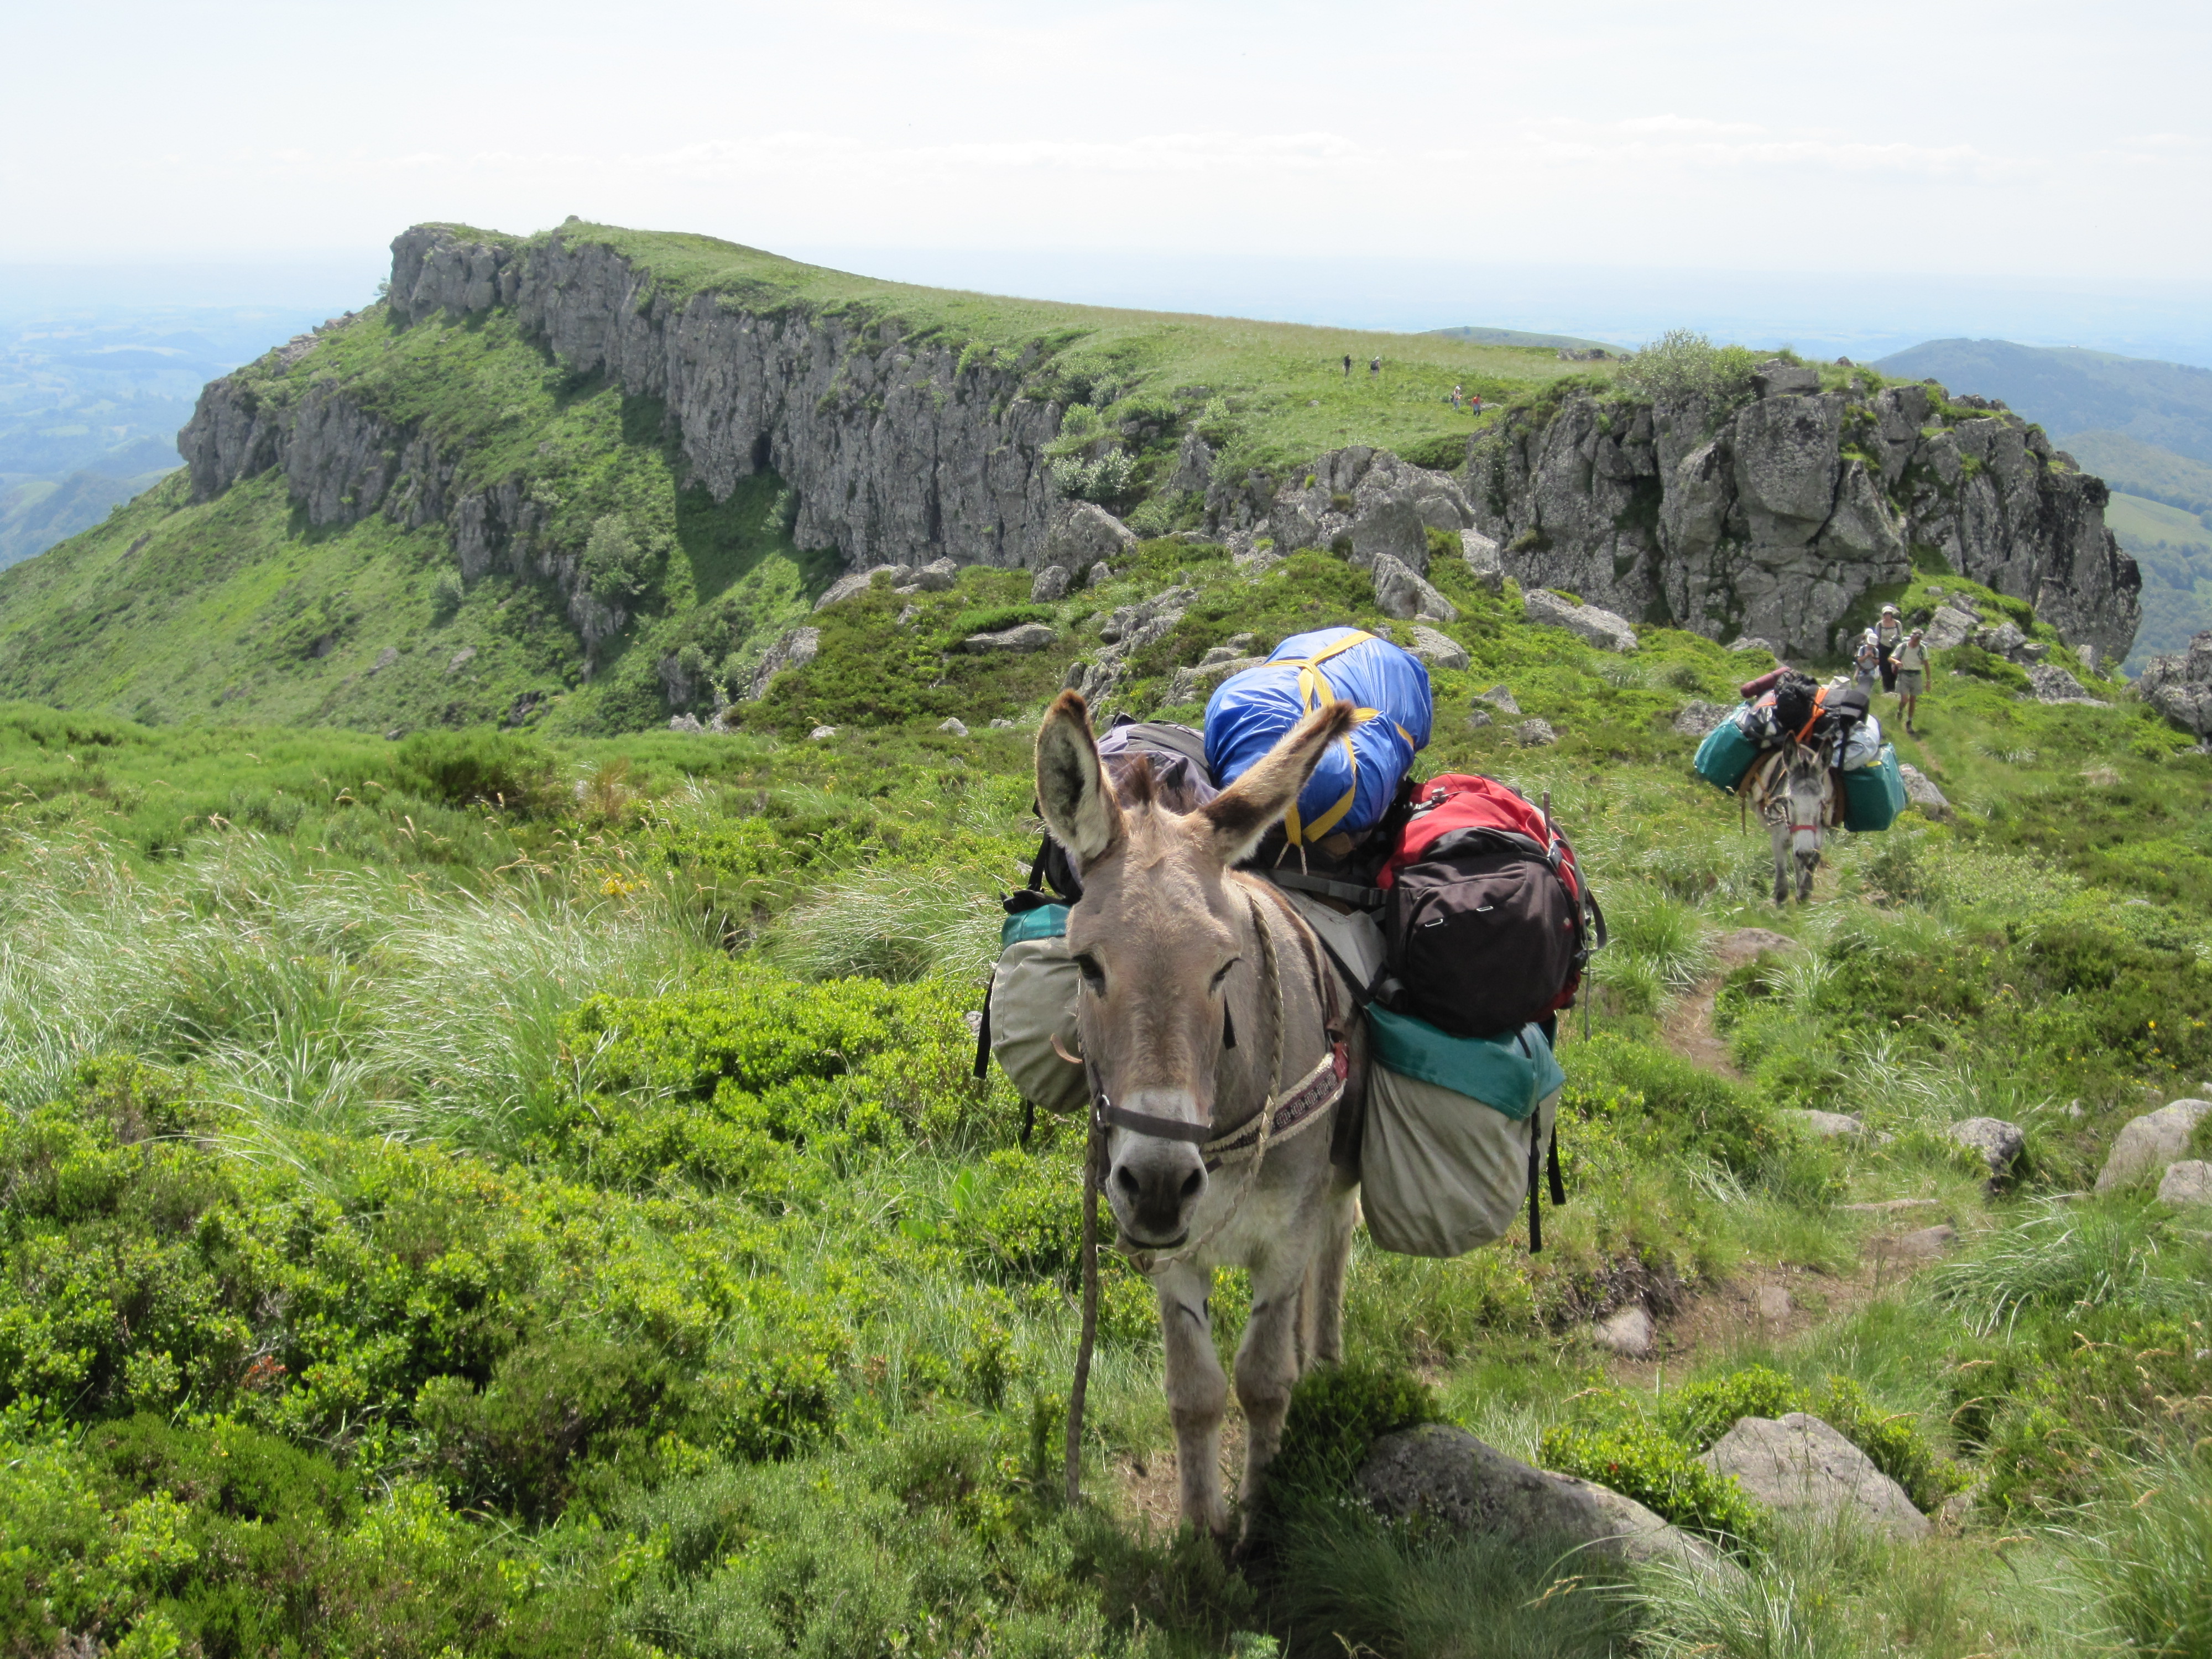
1830 175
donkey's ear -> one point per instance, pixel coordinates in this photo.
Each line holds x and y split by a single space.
1241 814
1077 807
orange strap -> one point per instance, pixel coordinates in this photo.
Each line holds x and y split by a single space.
1819 703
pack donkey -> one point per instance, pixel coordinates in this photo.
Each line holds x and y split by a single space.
1219 1063
1795 794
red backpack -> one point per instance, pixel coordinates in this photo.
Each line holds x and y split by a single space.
1487 916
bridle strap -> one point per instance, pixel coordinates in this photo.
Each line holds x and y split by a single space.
1162 1128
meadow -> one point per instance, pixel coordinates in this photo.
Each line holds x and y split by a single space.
501 1194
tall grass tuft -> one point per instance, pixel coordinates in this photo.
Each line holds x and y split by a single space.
893 922
2144 1555
2091 1255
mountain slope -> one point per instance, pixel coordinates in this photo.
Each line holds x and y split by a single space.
568 478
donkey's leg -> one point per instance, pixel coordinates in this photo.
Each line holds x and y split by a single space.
1197 1393
1805 868
1267 1368
1325 1276
1780 835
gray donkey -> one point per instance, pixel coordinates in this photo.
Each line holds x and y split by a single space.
1795 794
1218 1068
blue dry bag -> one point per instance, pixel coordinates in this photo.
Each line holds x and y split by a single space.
1356 781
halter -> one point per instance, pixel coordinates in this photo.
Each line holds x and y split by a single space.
1772 790
1285 1112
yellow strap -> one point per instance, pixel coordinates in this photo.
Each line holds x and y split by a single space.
1312 686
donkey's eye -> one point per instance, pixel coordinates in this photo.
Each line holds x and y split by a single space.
1093 974
1222 973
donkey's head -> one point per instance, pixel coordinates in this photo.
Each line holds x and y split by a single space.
1804 792
1170 1009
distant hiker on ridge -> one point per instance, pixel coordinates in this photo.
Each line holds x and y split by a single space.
1373 367
1347 365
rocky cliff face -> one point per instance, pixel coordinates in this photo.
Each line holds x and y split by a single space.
896 454
1771 518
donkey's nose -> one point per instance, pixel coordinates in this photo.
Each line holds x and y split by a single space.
1154 1186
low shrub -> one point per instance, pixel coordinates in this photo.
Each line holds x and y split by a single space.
1639 1460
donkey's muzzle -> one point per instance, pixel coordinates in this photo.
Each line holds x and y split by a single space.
1153 1187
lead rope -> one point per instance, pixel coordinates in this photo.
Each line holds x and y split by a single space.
1094 1155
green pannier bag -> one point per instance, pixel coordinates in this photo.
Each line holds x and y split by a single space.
1455 1130
1875 795
1725 755
1031 1002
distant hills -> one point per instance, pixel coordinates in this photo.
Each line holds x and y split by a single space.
1514 336
91 397
2144 427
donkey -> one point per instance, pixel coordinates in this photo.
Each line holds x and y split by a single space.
1207 1017
1795 794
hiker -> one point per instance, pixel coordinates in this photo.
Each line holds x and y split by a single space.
1347 365
1889 634
1867 662
1911 660
1459 398
1373 367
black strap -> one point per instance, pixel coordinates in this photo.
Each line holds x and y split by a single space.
1559 1184
983 1031
1143 1123
1029 1121
1535 1193
1356 893
1361 993
1036 864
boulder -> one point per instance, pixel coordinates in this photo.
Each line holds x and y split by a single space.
1544 609
1823 1125
2002 640
1082 536
1438 650
2145 1145
1926 1244
1949 627
792 650
1189 684
1797 1465
2179 686
1480 717
857 581
936 576
1999 1143
1696 718
1406 596
685 723
1629 1333
2049 684
1753 642
2189 1181
820 733
1535 734
1484 562
1778 379
1051 585
1027 636
1442 1475
461 658
1501 699
1771 1302
1921 790
1401 593
954 724
1732 950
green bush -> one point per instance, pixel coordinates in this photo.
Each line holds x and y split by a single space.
1639 1460
1335 1413
462 768
1970 658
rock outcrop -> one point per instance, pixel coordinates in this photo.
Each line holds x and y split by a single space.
1771 517
2146 1144
2179 686
897 453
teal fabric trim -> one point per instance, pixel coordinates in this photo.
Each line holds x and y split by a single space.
1046 921
1508 1074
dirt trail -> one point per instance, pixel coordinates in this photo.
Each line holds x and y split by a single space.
1688 1026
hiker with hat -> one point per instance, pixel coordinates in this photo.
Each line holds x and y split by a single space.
1912 660
1867 661
1888 634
